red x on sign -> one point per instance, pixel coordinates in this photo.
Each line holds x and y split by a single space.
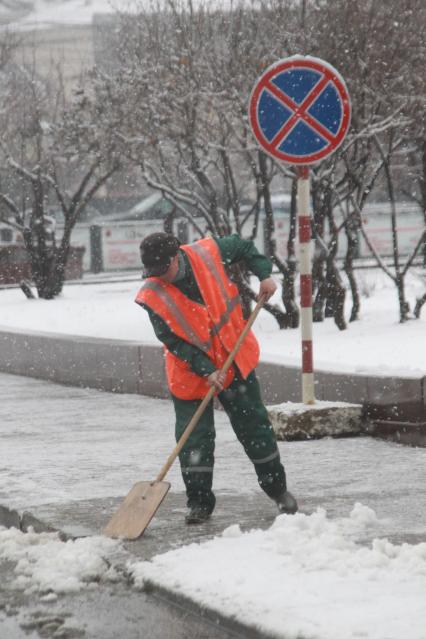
300 110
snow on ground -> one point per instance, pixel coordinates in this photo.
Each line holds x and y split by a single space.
46 565
304 577
377 343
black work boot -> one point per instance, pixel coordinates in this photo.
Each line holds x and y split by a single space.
286 503
197 515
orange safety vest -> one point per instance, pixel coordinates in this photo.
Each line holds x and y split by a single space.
213 327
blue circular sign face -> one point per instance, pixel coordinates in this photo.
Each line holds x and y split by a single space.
299 110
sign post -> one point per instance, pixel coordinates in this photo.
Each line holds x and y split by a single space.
305 268
299 112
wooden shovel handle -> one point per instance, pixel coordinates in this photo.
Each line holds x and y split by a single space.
202 407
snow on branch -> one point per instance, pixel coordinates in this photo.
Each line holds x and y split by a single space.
179 199
18 223
22 171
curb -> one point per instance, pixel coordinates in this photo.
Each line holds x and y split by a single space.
232 626
396 405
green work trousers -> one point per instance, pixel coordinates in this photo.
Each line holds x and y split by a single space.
249 419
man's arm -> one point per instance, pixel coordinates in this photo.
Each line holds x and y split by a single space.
234 249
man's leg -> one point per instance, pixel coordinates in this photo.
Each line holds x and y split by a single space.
197 456
249 418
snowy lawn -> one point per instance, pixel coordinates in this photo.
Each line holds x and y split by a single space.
377 343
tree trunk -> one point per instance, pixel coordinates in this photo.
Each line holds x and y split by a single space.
240 279
418 307
269 213
319 281
348 267
288 285
169 220
404 307
422 183
291 317
331 276
48 268
319 284
47 265
336 294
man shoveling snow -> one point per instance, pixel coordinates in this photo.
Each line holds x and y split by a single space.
195 310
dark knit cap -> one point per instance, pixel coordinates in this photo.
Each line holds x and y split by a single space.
157 251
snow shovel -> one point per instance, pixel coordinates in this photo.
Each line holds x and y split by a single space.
144 499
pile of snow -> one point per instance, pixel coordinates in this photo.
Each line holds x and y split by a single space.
47 565
304 577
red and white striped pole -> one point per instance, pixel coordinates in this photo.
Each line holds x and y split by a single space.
305 266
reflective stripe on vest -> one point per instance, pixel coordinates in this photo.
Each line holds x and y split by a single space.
222 301
231 302
208 259
178 315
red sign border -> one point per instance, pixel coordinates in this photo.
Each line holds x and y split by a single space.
306 62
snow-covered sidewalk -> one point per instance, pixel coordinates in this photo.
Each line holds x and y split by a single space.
318 575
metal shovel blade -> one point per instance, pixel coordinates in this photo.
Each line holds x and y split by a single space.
137 510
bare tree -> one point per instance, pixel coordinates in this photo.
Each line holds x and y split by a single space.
180 97
52 156
179 104
400 269
377 48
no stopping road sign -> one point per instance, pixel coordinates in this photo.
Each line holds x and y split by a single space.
299 110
